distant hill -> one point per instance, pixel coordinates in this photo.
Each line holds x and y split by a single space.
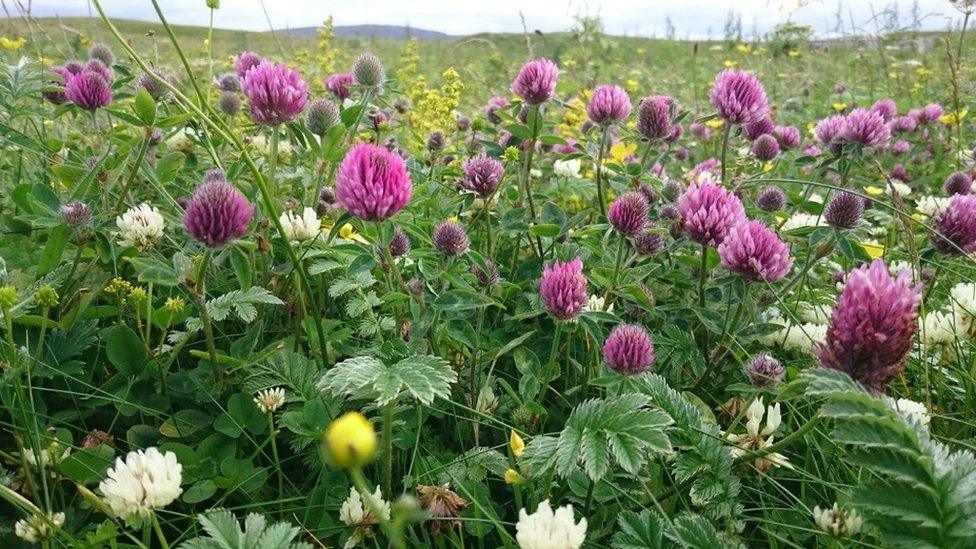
395 32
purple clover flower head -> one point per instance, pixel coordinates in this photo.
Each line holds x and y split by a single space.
866 127
563 288
771 199
373 183
872 328
648 243
669 212
764 371
649 194
56 92
491 109
886 108
899 172
676 132
788 136
903 124
102 53
958 183
214 174
709 211
76 215
629 213
400 245
956 226
931 113
322 116
217 214
828 132
463 123
536 81
368 71
900 147
229 82
754 251
229 103
844 210
671 190
450 238
74 67
245 62
739 97
654 117
609 105
700 131
152 86
276 93
486 277
629 350
96 66
753 130
482 175
339 84
765 147
88 90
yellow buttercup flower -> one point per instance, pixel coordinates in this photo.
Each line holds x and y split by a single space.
793 54
873 249
621 151
839 107
12 45
874 191
767 166
516 444
513 477
953 118
349 234
744 48
631 85
730 64
715 123
351 440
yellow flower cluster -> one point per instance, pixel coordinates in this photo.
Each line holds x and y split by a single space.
573 119
433 108
325 44
12 44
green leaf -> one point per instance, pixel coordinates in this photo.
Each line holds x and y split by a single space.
422 377
154 271
635 531
145 107
242 414
125 350
88 465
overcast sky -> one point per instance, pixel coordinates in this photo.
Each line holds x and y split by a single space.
691 18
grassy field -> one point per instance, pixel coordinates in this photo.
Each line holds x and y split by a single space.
428 307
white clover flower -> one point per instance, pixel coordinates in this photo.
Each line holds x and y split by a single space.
802 219
814 313
140 226
836 522
302 228
759 435
899 189
597 303
49 456
896 266
964 305
263 146
803 337
184 141
145 481
938 327
355 512
913 411
269 400
546 529
932 205
35 529
567 168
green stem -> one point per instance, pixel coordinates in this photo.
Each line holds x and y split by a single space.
616 270
159 532
702 275
273 160
201 298
725 147
787 440
526 174
274 453
140 156
601 200
359 481
387 437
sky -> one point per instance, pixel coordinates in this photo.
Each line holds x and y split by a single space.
691 18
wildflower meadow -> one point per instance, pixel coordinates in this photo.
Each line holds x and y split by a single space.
537 291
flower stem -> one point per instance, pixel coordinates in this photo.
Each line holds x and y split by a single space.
601 200
725 147
140 156
787 440
201 298
387 448
526 175
273 160
159 532
272 434
616 270
702 275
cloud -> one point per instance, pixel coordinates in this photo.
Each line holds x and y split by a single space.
691 18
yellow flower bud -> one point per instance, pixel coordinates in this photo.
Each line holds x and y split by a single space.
351 440
513 477
516 444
